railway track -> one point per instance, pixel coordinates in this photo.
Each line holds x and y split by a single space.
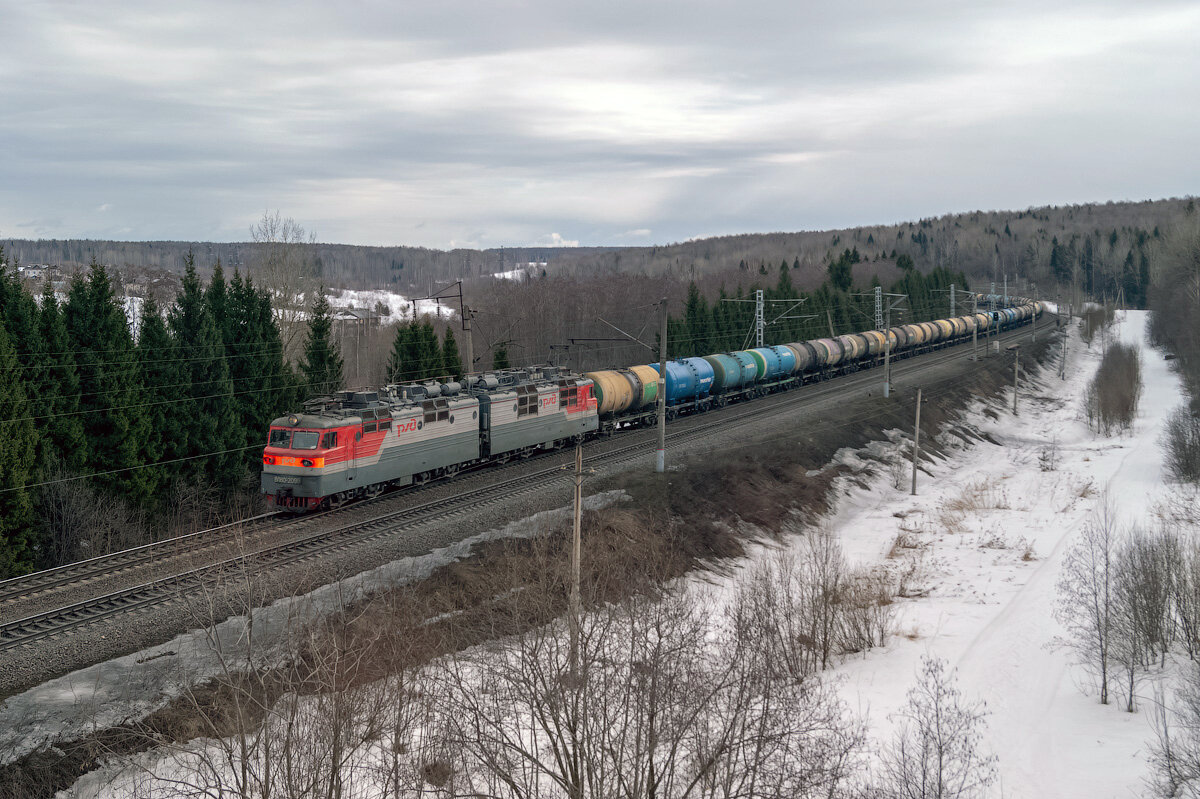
35 627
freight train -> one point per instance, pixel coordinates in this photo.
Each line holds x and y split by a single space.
356 444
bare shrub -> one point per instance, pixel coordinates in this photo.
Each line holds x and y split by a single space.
1182 443
938 751
1094 321
661 699
1111 401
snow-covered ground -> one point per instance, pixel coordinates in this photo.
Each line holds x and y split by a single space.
988 610
399 307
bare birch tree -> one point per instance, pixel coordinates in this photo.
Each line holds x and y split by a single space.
1086 594
938 751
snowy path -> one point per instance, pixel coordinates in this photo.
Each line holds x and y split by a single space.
989 612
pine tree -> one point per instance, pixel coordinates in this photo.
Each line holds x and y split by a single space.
208 413
451 361
18 459
322 364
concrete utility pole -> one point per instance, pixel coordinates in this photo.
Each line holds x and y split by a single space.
466 322
887 343
1006 291
661 463
916 443
829 316
951 299
1033 324
1016 367
975 330
1062 365
575 556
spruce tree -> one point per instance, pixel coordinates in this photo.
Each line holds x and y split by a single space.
500 357
110 401
322 364
64 429
207 413
451 361
696 320
263 383
18 457
398 367
430 351
164 377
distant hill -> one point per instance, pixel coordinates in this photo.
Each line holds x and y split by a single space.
1091 245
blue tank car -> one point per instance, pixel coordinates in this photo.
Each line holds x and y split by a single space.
688 379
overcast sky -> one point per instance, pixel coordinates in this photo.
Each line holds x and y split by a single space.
546 122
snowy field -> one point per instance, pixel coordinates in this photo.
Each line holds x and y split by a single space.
988 610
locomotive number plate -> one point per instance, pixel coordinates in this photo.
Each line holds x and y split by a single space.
287 480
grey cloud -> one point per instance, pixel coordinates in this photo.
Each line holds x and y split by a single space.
427 123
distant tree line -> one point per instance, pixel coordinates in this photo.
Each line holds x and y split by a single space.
795 315
91 418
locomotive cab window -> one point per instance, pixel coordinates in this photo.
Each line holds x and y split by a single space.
305 439
568 396
280 438
329 440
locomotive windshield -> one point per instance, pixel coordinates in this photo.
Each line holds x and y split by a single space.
305 439
293 439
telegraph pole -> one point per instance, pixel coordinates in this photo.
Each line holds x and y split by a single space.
575 556
661 463
916 443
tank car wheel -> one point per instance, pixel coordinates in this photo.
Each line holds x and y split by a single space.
372 491
671 414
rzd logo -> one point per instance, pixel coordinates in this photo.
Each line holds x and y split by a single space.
549 401
407 427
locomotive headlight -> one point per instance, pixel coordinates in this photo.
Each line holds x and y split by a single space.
306 462
268 460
